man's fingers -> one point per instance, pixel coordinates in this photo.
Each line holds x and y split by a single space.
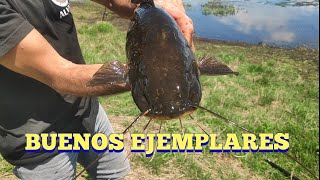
189 37
187 30
176 10
185 23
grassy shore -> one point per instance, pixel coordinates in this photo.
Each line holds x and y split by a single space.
277 91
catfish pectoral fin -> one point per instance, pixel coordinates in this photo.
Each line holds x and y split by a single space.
212 67
109 73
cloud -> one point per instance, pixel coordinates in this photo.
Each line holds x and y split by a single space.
283 36
270 20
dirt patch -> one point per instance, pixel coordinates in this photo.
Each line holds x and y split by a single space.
225 167
138 171
230 167
8 177
167 173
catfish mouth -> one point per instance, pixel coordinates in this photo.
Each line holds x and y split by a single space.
169 117
167 107
171 114
178 99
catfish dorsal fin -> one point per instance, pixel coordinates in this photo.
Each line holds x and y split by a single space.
109 73
212 67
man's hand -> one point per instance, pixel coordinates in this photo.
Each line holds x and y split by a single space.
125 9
176 10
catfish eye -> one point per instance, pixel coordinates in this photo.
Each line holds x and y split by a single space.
145 81
188 76
195 93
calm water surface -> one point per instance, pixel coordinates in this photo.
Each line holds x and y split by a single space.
281 23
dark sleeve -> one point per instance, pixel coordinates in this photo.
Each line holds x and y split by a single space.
13 27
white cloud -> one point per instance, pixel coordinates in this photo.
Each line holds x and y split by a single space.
270 19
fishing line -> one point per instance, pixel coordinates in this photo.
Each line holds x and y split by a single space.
235 124
209 137
294 159
227 120
285 172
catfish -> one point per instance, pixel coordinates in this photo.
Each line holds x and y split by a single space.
162 69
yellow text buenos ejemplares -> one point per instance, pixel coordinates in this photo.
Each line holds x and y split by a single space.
149 143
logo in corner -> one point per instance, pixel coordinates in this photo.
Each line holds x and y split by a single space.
61 3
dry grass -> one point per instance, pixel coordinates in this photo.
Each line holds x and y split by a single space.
224 167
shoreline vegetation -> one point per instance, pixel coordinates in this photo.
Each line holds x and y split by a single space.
277 91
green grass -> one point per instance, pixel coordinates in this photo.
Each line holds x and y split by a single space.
4 166
277 91
218 8
271 94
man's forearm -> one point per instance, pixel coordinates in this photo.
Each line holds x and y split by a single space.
73 80
34 57
123 8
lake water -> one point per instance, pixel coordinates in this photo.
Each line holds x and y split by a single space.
281 23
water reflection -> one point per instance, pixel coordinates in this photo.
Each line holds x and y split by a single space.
296 3
218 8
278 23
